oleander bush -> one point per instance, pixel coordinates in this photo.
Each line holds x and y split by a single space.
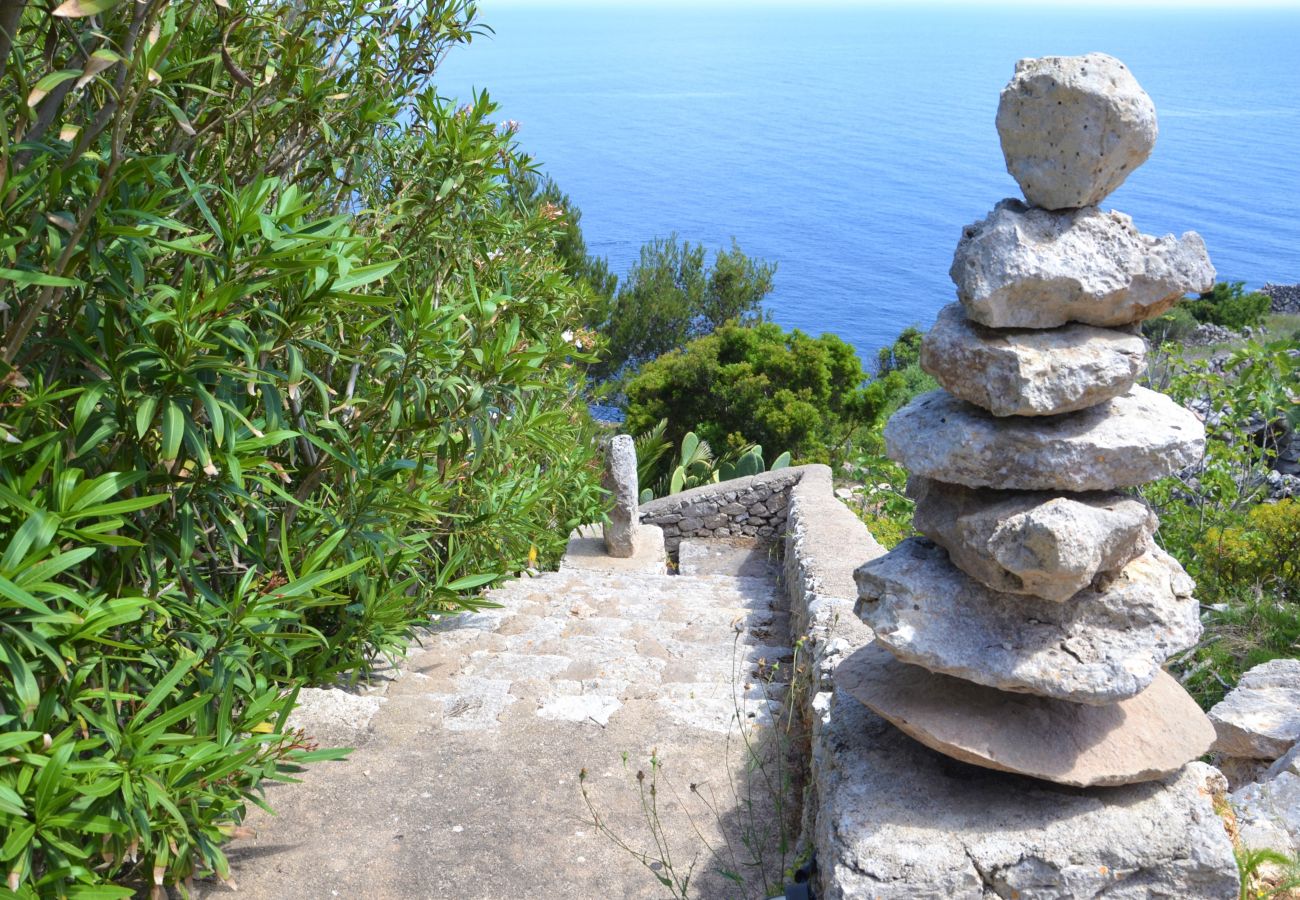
288 367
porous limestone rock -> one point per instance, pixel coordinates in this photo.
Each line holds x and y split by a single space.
1126 441
1033 372
1260 717
1288 762
1103 646
1073 128
1148 736
1032 542
898 821
1268 814
333 716
1024 267
620 479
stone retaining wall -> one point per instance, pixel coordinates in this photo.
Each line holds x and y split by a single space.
742 507
824 542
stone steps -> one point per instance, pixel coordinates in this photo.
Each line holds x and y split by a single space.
464 781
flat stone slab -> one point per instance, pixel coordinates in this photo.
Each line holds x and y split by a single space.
899 821
1124 442
1046 544
1024 267
1030 372
737 557
1074 127
586 551
1146 737
1101 647
1260 717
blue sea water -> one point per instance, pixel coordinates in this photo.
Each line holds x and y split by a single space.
851 144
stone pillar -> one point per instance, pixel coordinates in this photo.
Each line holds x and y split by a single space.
621 481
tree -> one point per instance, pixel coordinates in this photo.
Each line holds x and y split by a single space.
543 197
671 297
755 384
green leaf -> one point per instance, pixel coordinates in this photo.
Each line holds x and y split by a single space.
25 277
164 687
99 892
469 582
173 429
363 275
76 9
18 839
49 83
117 507
144 415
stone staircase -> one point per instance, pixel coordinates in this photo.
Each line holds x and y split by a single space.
465 777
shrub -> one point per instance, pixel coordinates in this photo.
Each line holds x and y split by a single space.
1241 552
1264 549
1175 325
756 384
284 374
1229 305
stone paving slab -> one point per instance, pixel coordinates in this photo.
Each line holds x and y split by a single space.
464 783
586 551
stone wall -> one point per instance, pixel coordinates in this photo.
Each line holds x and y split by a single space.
1285 297
742 507
824 542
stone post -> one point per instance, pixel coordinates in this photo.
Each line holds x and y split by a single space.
620 480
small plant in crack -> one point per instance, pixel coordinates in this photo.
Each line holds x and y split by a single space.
658 862
754 844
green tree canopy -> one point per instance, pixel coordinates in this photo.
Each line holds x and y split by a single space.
671 296
756 384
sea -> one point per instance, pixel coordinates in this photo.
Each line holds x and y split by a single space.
850 144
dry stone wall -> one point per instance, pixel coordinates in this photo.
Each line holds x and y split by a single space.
742 507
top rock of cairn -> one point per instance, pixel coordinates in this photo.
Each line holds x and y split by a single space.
1073 128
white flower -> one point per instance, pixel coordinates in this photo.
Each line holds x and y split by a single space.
567 336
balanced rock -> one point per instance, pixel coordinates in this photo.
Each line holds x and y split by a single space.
1104 645
1024 267
1150 735
1030 372
1032 542
1260 717
620 480
1073 128
1123 442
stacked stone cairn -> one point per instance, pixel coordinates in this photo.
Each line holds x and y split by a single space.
1026 631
